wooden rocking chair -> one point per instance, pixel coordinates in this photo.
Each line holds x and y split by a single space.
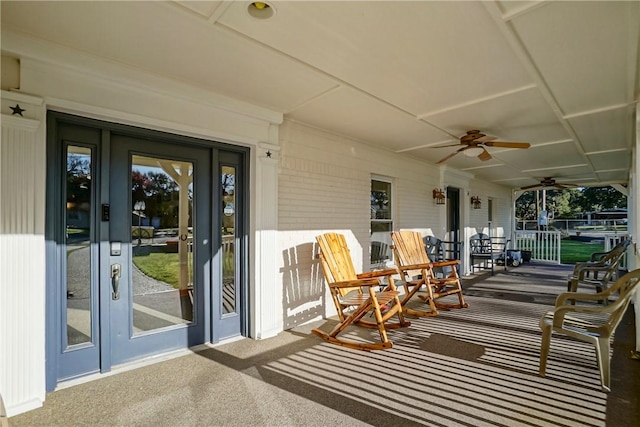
412 261
355 295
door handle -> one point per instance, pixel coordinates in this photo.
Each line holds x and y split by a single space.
115 281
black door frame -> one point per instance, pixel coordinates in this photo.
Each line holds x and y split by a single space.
453 220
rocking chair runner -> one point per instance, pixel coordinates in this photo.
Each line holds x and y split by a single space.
412 261
354 295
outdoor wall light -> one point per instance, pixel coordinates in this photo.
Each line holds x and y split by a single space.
438 196
476 202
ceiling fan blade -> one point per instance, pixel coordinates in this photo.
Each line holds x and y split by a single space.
451 155
457 144
486 138
484 156
528 187
507 144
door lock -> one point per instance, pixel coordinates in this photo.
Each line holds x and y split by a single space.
115 281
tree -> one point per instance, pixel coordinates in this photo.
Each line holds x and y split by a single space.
600 198
79 182
570 203
160 194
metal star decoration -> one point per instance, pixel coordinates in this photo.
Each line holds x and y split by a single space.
17 110
269 154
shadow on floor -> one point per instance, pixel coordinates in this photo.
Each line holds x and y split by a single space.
466 367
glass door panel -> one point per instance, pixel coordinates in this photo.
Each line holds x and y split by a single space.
162 239
161 220
79 232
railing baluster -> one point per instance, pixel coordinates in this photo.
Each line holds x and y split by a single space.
544 245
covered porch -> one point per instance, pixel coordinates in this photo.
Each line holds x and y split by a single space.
474 367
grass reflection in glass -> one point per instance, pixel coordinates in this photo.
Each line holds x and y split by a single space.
160 266
165 267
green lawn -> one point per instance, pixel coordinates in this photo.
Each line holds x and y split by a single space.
572 251
166 266
160 266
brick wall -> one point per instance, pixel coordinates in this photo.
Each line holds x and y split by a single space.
324 185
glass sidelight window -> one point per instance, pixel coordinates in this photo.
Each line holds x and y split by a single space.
229 289
79 232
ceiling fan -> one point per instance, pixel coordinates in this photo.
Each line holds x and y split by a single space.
548 182
474 143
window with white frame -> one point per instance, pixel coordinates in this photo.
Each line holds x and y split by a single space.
381 220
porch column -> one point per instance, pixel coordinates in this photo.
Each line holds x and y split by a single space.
182 174
267 288
22 253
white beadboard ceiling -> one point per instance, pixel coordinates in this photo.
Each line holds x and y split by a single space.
404 76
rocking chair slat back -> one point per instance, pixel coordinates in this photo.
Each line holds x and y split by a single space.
410 250
336 259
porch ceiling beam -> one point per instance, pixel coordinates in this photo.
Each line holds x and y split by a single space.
621 188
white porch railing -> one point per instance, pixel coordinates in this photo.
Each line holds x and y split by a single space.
543 245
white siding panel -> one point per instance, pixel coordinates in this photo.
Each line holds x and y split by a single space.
324 185
22 262
479 218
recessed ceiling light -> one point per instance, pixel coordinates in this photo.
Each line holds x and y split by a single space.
261 10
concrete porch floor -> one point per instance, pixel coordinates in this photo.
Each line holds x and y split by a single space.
468 367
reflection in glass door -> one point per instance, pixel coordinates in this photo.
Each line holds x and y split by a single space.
161 221
79 233
228 240
229 295
162 243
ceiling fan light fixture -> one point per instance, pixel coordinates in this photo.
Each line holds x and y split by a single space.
473 151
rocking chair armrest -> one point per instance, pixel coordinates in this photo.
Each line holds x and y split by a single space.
445 263
377 273
355 283
424 266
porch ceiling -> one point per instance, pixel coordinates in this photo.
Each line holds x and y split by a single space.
562 76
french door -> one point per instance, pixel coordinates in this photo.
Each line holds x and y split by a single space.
159 245
145 253
453 220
